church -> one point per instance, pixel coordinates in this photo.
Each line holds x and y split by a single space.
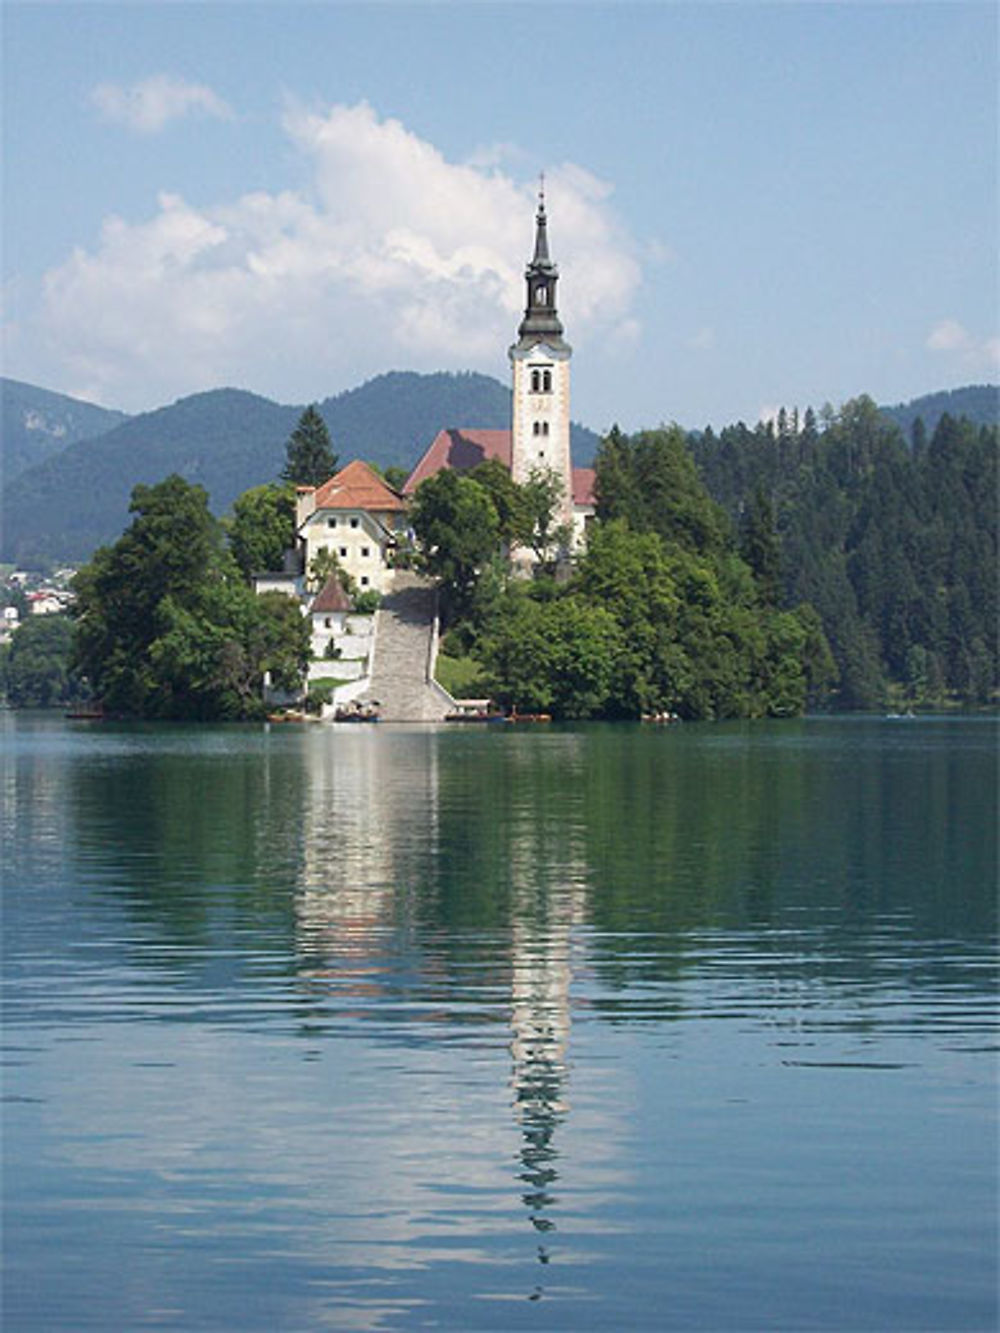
358 518
539 436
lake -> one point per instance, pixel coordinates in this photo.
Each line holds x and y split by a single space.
500 1028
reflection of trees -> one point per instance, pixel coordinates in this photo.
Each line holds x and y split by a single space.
195 832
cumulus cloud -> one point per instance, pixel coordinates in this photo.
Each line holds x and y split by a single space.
951 337
393 257
151 104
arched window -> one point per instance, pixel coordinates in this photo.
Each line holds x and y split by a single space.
545 428
546 381
536 381
541 295
536 428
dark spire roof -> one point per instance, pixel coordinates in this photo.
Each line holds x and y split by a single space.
541 259
541 322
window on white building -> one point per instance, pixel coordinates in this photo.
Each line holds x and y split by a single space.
354 522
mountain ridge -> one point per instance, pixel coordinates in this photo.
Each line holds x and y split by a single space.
74 498
227 440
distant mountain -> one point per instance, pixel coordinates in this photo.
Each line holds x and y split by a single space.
228 440
980 403
63 508
36 423
394 417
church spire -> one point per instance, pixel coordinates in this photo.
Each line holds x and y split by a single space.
541 259
540 318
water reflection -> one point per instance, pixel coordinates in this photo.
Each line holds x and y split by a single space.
472 1008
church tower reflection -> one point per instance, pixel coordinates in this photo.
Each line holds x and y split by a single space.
548 903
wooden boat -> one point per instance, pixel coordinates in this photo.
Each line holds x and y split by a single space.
476 717
357 713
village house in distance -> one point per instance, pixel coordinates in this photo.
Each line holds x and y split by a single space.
360 520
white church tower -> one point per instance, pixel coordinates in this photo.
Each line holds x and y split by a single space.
540 363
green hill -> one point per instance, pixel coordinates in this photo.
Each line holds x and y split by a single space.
35 424
978 403
228 440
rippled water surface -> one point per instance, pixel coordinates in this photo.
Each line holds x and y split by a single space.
493 1028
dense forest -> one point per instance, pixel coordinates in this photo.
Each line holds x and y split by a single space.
811 562
660 615
892 540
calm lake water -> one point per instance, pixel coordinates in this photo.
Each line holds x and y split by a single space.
593 1028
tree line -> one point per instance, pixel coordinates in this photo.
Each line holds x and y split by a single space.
813 562
892 541
166 623
659 614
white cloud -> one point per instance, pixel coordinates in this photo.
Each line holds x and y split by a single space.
396 258
151 104
951 337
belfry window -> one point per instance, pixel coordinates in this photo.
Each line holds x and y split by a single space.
546 381
541 295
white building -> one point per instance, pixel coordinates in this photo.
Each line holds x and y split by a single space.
356 516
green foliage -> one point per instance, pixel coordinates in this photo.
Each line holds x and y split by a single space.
35 670
458 532
505 495
396 476
760 547
166 626
553 657
894 547
366 602
322 567
540 499
310 456
461 676
650 479
262 528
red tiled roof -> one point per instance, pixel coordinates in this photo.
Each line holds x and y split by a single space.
356 486
462 450
332 597
583 485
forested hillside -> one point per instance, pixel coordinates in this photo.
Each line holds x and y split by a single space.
64 508
35 424
979 403
894 544
228 440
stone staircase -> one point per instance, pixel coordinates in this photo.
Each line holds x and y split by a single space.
404 642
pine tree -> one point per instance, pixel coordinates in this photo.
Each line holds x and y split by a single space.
311 459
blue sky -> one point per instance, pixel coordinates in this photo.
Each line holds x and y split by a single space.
751 204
